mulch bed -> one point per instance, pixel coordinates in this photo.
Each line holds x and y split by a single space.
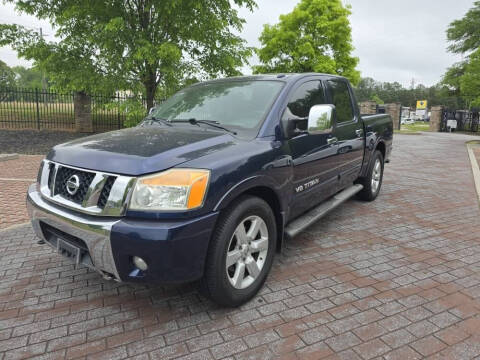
32 142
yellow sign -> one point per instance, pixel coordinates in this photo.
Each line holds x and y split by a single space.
421 104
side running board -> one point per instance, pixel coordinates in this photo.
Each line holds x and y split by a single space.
307 219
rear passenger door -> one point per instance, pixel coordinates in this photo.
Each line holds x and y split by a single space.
313 155
348 130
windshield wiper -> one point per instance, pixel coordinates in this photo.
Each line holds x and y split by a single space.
163 121
212 123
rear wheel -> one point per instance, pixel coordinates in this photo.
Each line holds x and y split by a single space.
241 252
372 183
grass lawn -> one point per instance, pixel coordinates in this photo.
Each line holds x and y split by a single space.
54 116
414 128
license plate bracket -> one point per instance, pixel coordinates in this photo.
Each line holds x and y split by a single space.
69 251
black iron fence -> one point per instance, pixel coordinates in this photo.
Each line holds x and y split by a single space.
461 120
39 109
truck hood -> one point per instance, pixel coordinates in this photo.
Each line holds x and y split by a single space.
141 150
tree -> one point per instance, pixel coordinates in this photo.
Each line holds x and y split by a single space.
470 81
377 99
314 37
7 76
28 77
137 45
7 80
464 34
462 79
439 94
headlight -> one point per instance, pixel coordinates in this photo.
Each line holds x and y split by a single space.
176 189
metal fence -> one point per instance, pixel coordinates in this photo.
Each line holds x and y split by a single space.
38 109
466 120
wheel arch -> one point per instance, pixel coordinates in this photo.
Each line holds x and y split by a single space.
265 192
382 148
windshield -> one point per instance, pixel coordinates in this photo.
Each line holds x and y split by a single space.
240 104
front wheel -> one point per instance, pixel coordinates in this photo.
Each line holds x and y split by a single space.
373 181
241 252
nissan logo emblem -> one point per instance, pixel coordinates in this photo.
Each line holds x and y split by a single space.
73 184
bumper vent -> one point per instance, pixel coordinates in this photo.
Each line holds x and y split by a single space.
64 174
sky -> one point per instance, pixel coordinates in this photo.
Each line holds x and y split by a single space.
395 40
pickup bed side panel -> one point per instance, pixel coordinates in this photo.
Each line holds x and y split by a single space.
378 129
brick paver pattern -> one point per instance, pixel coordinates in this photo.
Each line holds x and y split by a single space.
396 279
15 177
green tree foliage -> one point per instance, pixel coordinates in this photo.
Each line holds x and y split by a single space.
453 75
377 99
138 45
7 80
7 76
369 89
314 37
28 77
463 79
464 34
470 81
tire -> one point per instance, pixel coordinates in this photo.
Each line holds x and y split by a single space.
226 285
372 183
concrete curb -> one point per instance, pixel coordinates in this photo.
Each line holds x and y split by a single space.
475 167
6 157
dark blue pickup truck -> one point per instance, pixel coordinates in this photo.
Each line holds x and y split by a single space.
212 183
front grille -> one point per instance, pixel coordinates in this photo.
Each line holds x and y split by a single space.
65 173
51 174
102 200
94 189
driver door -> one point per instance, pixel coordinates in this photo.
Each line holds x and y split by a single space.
313 155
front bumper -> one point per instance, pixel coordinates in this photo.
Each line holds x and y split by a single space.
175 251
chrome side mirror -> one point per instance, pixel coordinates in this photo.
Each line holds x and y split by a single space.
151 110
320 119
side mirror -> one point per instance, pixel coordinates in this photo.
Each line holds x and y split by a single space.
320 119
151 110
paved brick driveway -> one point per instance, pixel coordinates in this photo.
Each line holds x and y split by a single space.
398 278
15 177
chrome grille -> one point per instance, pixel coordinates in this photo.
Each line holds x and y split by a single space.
64 174
107 188
99 193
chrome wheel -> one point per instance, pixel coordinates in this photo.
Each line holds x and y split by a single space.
247 252
376 176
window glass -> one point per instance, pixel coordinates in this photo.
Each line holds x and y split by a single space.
242 104
308 94
342 100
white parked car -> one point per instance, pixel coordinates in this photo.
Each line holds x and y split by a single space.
407 121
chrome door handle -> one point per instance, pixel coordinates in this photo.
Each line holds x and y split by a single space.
332 140
359 132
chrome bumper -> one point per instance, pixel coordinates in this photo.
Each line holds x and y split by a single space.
94 232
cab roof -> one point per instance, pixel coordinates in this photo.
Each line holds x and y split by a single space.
286 77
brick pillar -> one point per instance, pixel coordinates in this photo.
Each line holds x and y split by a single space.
395 111
82 109
368 107
436 118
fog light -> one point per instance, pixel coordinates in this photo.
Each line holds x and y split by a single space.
140 263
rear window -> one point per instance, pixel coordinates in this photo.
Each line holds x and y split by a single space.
342 100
